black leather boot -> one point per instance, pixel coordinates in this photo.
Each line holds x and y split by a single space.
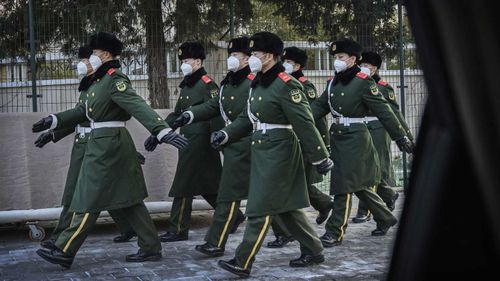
210 250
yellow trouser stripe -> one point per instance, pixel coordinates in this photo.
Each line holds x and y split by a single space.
346 216
374 190
85 217
259 239
180 215
233 204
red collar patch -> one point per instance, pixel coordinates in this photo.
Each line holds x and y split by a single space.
283 76
111 71
330 78
251 76
382 82
206 79
362 75
302 79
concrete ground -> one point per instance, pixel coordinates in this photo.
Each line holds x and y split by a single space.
360 257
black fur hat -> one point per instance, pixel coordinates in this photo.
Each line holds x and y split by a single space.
239 44
371 58
191 50
297 55
348 46
266 42
84 52
107 42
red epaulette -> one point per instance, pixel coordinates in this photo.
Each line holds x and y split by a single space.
111 71
362 75
251 76
206 79
283 76
383 83
303 79
330 78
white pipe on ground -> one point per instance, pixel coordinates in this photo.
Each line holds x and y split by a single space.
49 214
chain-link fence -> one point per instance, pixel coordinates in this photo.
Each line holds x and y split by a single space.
39 42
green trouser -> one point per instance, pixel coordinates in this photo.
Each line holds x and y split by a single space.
319 201
225 216
385 192
342 203
65 221
180 215
72 238
255 232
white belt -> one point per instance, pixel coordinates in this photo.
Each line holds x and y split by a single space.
82 131
346 121
108 124
258 126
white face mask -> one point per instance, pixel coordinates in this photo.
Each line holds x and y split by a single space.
339 65
186 69
255 64
288 67
233 64
365 70
95 62
81 69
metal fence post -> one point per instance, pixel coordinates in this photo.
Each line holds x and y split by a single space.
32 56
231 20
402 82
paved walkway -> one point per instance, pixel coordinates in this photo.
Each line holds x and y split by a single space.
360 257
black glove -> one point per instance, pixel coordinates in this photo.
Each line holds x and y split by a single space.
324 166
44 138
141 158
182 120
217 139
175 139
42 125
405 145
151 143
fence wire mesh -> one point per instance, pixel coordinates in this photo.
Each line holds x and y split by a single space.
152 31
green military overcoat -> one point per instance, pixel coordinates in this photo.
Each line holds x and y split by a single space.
277 177
199 166
356 163
381 139
322 125
232 100
110 176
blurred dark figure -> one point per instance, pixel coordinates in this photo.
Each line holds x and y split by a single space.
450 226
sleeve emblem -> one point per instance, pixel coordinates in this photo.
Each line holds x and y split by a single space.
296 95
213 93
374 89
392 96
311 94
121 86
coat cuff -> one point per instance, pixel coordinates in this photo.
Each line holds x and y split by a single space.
162 133
191 117
54 122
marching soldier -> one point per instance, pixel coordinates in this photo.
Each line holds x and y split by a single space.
199 166
231 101
349 97
110 176
278 112
80 143
371 62
295 60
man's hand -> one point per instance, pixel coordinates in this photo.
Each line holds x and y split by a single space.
325 166
141 158
217 139
405 145
44 138
42 125
182 120
151 143
175 139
